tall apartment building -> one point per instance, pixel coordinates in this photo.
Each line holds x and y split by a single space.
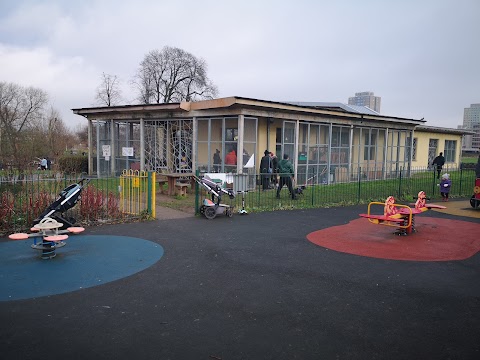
471 121
366 98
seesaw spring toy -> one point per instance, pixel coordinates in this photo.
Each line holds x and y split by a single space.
400 216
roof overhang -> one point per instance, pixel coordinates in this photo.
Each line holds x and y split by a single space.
235 104
435 129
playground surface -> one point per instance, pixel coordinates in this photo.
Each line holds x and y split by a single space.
260 286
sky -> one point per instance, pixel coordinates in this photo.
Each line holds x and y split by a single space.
421 57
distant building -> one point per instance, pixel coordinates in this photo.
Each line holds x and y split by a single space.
471 121
367 99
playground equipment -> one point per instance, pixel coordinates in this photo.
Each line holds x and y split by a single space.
47 236
400 216
392 216
475 199
66 200
211 208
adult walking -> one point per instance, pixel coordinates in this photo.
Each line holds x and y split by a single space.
438 163
285 169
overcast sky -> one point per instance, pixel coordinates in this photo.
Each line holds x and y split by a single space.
422 57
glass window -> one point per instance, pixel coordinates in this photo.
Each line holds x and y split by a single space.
450 146
370 145
414 149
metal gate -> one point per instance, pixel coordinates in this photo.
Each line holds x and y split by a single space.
137 192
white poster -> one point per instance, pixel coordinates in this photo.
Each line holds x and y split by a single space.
106 150
127 151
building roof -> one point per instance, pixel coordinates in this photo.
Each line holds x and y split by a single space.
436 129
348 108
230 104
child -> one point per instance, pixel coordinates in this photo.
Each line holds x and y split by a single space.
445 185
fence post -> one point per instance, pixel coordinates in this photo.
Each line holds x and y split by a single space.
197 192
461 178
359 184
433 182
400 183
151 194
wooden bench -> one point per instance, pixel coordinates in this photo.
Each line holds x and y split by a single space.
181 188
162 180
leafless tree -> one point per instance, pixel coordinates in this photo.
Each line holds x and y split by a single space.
20 109
108 92
172 75
81 132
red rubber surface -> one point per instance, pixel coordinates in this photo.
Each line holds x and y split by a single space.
435 240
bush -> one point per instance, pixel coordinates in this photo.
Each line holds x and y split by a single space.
73 164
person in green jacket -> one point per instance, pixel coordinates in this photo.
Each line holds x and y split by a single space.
285 170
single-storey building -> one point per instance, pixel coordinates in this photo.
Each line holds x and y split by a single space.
429 141
327 142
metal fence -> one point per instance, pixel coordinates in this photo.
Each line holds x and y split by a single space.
356 189
23 197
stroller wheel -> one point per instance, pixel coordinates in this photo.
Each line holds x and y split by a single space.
210 212
229 213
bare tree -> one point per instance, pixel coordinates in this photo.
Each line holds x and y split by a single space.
108 92
81 132
172 75
20 109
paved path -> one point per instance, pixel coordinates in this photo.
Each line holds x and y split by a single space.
165 213
253 287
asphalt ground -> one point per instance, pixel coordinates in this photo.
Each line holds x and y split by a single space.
253 287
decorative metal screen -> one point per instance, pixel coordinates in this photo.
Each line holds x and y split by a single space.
168 145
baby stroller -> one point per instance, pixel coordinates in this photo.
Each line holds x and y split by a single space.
66 200
211 208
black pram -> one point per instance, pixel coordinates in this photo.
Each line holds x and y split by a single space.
66 200
211 208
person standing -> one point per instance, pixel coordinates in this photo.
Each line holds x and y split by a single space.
217 161
445 186
438 163
43 164
266 170
274 169
285 169
231 160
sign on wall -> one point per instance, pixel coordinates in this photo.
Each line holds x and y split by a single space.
127 151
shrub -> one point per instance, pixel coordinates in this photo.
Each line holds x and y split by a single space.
97 204
73 164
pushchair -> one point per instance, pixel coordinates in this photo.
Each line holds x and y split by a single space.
66 200
211 208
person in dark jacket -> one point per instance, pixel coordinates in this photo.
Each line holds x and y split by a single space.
217 161
438 163
266 170
274 169
285 169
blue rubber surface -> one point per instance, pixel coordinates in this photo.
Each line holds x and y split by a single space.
84 262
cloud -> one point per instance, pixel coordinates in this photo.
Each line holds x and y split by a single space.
69 81
418 56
